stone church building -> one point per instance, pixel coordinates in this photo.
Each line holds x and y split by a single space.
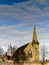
28 52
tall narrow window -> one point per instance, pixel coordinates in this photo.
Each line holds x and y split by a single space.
30 53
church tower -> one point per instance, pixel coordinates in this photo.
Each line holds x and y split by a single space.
34 39
35 44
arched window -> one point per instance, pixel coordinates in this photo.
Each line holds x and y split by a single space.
30 53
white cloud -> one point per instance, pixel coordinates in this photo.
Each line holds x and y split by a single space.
41 1
28 14
13 36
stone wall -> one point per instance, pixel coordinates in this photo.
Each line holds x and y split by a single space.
23 64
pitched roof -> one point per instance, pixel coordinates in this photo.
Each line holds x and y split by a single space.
16 55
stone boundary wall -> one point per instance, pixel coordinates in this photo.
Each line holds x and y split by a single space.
23 64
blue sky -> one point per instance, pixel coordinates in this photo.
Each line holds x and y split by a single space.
10 2
17 19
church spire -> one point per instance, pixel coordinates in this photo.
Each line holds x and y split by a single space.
34 35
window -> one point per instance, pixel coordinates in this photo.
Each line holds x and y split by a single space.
30 53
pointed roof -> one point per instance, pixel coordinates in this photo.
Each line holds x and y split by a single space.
16 55
34 39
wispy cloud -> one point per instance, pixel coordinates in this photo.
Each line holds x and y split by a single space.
17 21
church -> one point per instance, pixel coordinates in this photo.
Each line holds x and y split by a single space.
29 52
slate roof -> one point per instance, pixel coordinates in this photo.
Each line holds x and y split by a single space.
16 55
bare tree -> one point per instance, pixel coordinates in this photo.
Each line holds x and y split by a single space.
1 51
11 50
44 54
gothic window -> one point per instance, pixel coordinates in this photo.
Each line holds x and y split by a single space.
30 53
